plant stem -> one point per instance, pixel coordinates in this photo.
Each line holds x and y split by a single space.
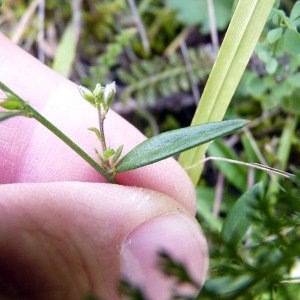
101 118
34 114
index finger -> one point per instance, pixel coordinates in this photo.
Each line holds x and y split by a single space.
30 153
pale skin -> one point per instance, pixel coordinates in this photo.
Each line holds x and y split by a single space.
65 232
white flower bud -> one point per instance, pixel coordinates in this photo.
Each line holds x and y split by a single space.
86 94
98 90
109 93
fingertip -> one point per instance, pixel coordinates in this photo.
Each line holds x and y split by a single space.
149 249
42 157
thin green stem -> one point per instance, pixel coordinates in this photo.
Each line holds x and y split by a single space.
101 118
34 114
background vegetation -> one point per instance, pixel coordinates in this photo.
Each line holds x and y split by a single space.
160 54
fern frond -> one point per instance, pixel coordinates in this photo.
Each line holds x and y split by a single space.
148 80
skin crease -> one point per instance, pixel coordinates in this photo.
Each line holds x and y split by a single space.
62 228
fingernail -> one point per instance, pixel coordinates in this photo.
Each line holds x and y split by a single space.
182 239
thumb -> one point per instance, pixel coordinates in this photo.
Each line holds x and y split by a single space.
68 239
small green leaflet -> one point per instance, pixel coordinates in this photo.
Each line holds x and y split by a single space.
0 3
173 142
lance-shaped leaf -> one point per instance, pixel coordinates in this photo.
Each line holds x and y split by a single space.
173 142
117 154
239 218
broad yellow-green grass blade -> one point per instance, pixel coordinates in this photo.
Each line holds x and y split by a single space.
242 35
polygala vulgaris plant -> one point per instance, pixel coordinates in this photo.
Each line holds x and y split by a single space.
150 151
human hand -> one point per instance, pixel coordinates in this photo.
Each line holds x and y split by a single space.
64 232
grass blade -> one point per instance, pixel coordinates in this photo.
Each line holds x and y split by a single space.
242 35
65 53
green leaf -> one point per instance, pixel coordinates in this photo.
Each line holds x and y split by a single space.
173 142
255 85
277 3
7 115
117 154
274 35
227 284
97 132
238 220
271 65
108 153
295 13
100 157
196 12
189 14
271 62
292 42
294 79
